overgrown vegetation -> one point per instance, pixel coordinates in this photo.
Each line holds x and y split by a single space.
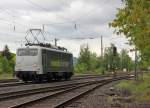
139 89
7 63
89 62
133 20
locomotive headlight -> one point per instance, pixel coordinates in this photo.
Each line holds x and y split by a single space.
35 65
18 65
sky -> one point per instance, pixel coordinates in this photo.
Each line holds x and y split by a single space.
72 22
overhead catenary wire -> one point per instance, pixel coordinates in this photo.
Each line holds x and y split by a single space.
37 5
46 9
84 36
69 20
72 21
12 21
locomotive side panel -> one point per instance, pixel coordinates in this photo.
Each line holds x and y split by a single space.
67 62
54 61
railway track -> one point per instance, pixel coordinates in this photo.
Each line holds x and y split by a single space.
11 81
10 88
8 80
16 94
15 82
31 87
57 96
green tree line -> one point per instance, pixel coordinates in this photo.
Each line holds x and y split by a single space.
90 62
133 20
87 62
7 61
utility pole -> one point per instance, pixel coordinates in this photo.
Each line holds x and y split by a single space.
43 27
135 64
102 52
101 46
114 49
56 41
121 61
136 74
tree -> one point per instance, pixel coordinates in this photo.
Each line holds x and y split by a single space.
89 62
80 68
7 61
6 53
126 62
6 68
133 20
12 61
84 56
110 60
93 61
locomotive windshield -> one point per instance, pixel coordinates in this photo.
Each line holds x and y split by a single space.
27 52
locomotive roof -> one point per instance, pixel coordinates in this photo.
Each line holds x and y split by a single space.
50 49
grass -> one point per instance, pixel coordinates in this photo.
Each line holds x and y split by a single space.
88 73
98 71
139 89
85 73
6 76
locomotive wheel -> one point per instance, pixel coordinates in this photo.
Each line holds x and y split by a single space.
58 78
49 77
24 78
37 79
67 76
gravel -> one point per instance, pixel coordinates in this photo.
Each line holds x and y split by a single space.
96 99
104 98
43 85
52 102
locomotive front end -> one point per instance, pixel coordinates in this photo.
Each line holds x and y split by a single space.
27 63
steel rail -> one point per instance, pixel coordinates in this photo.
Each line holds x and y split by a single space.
15 94
54 91
15 82
91 86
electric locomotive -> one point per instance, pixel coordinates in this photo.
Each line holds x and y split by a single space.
38 62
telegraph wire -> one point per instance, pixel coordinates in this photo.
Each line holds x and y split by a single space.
37 5
13 19
69 20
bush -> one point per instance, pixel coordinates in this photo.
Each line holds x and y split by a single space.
139 89
81 68
5 66
100 70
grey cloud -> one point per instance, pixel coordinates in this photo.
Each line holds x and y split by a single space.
34 5
91 18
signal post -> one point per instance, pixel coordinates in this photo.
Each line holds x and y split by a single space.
114 50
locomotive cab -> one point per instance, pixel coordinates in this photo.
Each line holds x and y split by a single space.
27 63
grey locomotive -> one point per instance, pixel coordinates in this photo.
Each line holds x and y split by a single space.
39 62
